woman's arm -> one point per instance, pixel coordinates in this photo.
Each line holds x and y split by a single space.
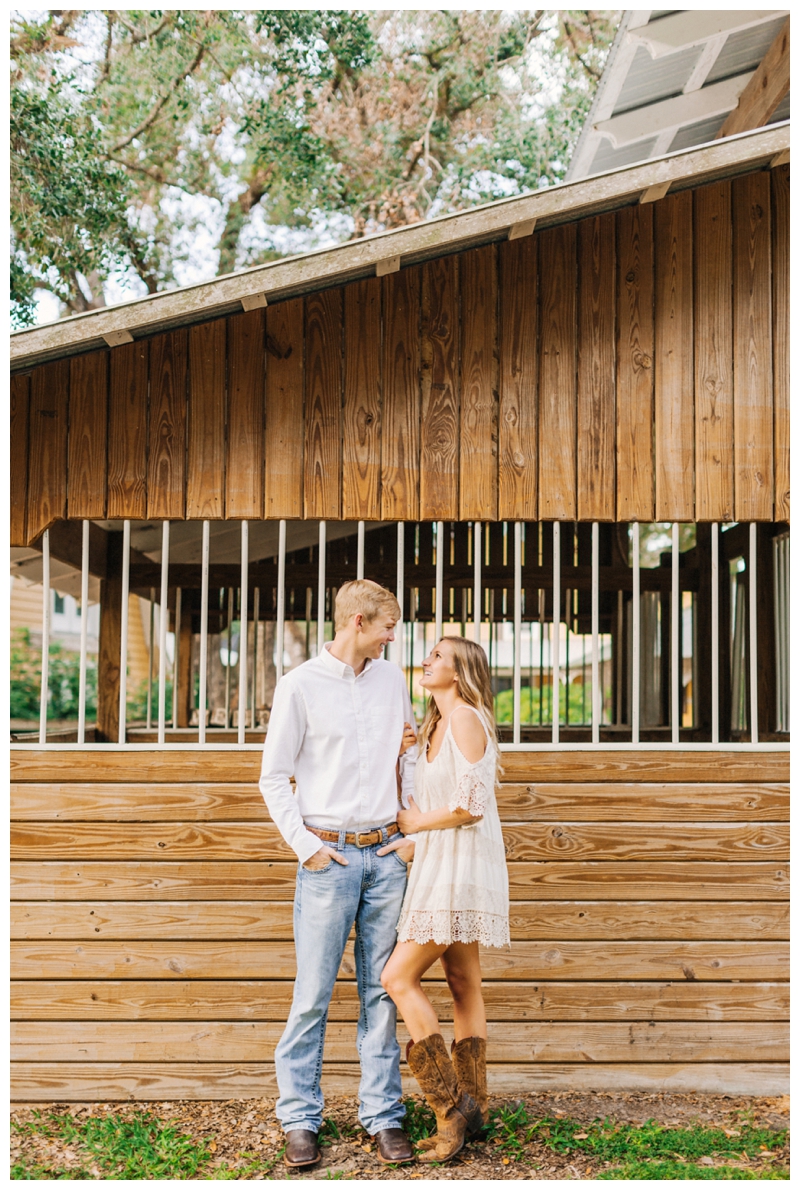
413 819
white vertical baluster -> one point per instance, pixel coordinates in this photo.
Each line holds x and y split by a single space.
397 652
151 658
254 680
476 582
84 632
321 589
556 645
597 704
439 578
123 635
360 555
281 612
715 633
231 606
175 650
777 619
203 696
752 625
163 616
636 660
242 721
45 637
675 621
517 631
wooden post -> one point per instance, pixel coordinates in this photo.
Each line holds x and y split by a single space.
109 644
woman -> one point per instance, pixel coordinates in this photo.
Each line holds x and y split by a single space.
457 895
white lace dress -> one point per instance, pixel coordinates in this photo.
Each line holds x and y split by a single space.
458 883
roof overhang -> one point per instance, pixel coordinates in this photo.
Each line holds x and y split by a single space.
297 275
671 81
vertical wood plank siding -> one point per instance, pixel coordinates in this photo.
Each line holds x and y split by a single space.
323 469
439 453
127 431
361 454
674 372
780 331
713 354
88 411
635 331
400 425
284 363
518 413
244 496
752 349
18 458
47 447
478 438
557 387
596 325
152 924
205 486
166 475
628 366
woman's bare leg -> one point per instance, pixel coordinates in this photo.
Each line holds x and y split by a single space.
401 979
462 969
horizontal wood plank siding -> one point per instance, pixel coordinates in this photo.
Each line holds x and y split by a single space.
620 367
649 924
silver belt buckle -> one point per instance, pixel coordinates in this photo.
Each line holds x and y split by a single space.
359 836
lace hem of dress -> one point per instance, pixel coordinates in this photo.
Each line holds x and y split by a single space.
444 926
471 795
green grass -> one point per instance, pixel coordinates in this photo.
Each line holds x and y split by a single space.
648 1151
419 1121
140 1147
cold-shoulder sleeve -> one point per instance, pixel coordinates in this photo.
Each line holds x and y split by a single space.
474 782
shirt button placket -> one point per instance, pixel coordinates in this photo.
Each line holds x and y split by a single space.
362 755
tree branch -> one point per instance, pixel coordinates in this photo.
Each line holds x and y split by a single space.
156 109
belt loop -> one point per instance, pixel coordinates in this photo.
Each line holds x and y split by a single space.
340 841
384 836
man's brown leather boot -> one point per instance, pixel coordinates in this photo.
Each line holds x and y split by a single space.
301 1149
455 1111
469 1061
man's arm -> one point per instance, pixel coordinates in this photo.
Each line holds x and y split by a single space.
287 723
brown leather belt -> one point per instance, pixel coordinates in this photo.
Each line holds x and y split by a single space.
357 838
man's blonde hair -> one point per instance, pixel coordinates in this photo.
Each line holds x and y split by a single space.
362 595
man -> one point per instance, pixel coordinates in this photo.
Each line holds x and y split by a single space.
336 725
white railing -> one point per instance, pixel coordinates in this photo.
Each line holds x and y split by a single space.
562 614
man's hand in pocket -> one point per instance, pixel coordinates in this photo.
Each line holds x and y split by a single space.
321 859
403 847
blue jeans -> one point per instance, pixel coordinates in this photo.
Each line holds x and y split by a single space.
368 893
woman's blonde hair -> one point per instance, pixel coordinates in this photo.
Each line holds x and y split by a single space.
474 686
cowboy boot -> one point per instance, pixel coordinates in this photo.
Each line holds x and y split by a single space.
469 1061
455 1111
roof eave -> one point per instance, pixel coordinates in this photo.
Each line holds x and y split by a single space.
297 275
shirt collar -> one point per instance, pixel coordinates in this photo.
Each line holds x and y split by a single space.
340 668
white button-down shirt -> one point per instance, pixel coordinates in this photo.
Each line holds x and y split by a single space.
338 734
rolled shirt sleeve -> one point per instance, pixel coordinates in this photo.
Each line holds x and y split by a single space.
284 740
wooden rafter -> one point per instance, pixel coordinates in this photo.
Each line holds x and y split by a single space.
764 92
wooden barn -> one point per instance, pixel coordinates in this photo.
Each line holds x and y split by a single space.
558 423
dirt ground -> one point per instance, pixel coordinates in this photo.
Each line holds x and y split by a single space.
249 1126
